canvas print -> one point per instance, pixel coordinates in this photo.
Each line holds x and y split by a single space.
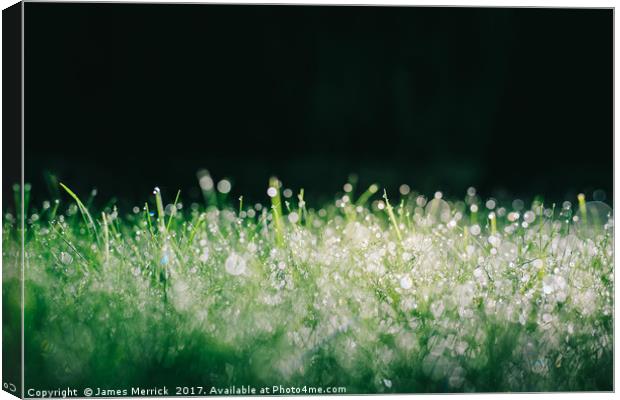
226 199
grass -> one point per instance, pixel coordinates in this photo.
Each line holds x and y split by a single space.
372 294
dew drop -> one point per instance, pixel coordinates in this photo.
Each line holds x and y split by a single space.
66 258
224 186
293 217
475 230
235 264
405 282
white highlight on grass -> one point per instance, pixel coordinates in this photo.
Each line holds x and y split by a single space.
272 192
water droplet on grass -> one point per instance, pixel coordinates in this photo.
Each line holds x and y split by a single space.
548 284
405 282
437 210
518 204
475 230
204 180
235 264
293 217
164 259
529 217
224 186
66 258
508 251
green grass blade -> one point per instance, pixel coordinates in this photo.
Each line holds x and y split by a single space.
276 209
106 237
372 189
390 211
160 210
83 210
174 208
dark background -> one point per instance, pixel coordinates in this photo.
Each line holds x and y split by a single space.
125 97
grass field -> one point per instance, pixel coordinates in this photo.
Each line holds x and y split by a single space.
406 294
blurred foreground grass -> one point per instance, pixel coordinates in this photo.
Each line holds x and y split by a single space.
377 295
